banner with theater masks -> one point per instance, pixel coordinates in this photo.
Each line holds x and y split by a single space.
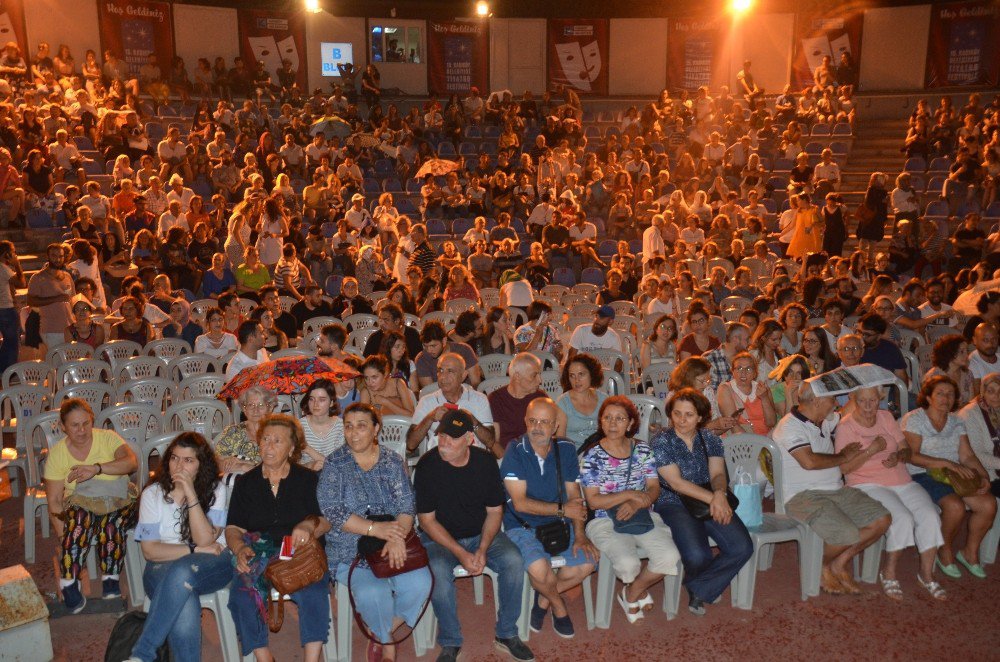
578 54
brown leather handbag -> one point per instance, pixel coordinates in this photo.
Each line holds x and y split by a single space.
308 566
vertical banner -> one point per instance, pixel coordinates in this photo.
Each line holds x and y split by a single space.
457 56
12 26
133 29
963 44
819 35
578 54
694 51
270 37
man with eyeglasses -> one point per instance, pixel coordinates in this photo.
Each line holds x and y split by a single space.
878 350
721 358
542 478
252 352
390 318
452 394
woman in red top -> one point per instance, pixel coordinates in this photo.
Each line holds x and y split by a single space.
699 340
460 285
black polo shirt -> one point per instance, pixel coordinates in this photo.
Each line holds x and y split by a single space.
253 507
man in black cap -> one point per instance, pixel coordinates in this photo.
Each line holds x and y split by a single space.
460 500
140 219
598 335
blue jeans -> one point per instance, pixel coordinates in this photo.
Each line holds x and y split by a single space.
175 611
10 327
706 576
502 558
314 615
380 600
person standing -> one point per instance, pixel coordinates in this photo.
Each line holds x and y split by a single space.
49 291
11 278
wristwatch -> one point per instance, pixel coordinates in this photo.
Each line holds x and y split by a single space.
560 512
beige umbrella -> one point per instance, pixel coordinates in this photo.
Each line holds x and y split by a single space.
436 167
966 301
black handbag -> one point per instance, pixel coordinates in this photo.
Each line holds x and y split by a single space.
697 508
554 535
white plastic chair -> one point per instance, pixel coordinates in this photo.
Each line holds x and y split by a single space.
988 548
548 359
460 305
18 405
289 351
134 422
656 375
141 367
446 318
26 373
360 321
114 352
68 351
190 365
490 296
495 365
552 383
557 291
96 394
43 431
652 412
206 417
611 359
168 348
605 599
487 386
624 308
83 371
201 386
200 308
317 323
156 392
393 433
358 338
246 307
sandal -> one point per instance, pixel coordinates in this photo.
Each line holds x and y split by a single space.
646 602
627 606
935 589
891 588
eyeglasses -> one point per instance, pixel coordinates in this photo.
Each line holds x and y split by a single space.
615 419
255 405
539 421
744 368
810 341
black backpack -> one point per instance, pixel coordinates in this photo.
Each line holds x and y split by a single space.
124 635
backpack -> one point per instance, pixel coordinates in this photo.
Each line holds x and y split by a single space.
125 634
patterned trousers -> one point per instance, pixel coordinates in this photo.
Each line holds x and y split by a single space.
107 532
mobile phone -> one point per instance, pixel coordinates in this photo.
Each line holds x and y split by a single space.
738 413
450 405
287 548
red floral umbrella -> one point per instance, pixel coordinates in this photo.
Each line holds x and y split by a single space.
288 375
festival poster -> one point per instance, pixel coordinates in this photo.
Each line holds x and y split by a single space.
457 56
270 37
578 54
818 35
133 29
694 52
962 48
12 26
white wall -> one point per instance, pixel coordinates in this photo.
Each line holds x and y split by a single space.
343 29
207 32
60 22
766 40
517 54
894 48
638 52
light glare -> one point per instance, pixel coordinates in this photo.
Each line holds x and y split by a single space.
740 6
482 8
312 6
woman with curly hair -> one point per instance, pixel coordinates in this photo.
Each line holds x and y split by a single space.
181 516
950 357
581 377
793 319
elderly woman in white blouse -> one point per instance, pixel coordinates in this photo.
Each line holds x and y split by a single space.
324 429
982 424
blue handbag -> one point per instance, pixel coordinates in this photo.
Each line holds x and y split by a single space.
641 522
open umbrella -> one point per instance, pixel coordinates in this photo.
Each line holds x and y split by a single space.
288 375
363 140
966 301
330 126
436 167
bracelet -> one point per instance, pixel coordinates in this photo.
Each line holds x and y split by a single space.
371 525
100 469
192 505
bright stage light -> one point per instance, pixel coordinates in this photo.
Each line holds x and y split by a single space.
312 6
482 9
740 6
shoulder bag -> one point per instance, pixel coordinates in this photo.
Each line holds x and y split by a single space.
306 567
697 508
553 535
640 522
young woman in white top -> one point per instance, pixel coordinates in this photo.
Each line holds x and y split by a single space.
216 342
324 429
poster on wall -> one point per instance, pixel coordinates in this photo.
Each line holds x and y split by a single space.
272 37
824 35
694 51
962 48
12 26
134 29
457 56
578 54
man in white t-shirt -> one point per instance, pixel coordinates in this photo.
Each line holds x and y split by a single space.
847 519
935 305
357 216
251 337
180 193
173 155
598 335
652 240
452 394
984 359
171 218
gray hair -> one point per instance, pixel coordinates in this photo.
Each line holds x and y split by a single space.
881 391
522 361
266 394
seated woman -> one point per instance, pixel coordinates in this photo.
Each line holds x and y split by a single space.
323 428
460 285
181 516
879 471
660 346
236 446
180 324
277 498
216 342
950 357
938 441
134 326
90 499
816 348
695 373
619 480
390 396
274 338
581 399
982 424
690 460
788 377
84 329
765 346
700 340
746 399
400 366
359 481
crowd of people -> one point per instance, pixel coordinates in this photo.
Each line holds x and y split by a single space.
705 296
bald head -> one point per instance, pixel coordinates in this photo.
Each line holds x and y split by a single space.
985 339
540 420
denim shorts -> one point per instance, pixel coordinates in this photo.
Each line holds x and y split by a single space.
936 489
532 550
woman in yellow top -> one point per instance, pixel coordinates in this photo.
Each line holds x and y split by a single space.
90 497
808 235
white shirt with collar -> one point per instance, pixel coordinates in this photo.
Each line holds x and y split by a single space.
795 431
240 361
471 400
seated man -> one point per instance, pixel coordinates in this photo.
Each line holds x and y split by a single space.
542 478
452 394
460 501
251 338
509 404
845 518
434 339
